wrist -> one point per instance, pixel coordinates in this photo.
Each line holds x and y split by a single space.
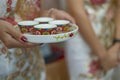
117 45
116 41
101 53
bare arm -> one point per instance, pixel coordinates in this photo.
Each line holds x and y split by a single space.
117 21
76 7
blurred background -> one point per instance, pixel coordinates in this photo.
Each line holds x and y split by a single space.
54 53
59 4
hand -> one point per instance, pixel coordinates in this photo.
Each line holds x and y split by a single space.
11 37
111 58
59 14
110 14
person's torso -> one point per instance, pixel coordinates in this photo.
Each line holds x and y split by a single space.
3 6
20 64
102 27
97 11
25 9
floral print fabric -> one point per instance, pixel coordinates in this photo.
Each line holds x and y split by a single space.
20 64
82 63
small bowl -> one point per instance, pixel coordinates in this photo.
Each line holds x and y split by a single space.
44 29
27 26
62 25
43 20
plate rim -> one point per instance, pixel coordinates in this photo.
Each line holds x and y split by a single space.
55 34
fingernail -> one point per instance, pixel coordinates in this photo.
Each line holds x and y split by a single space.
23 39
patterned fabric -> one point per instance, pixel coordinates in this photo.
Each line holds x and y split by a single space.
3 7
97 2
103 28
20 64
28 9
85 65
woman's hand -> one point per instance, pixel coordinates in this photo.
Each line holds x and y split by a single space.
110 13
111 59
59 14
11 37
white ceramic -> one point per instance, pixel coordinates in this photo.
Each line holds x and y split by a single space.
59 22
27 23
52 38
45 26
44 29
43 19
27 26
62 25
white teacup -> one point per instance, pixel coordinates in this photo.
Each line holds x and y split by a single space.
62 25
44 29
43 20
27 26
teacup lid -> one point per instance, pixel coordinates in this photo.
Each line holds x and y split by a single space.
43 19
28 23
45 26
59 22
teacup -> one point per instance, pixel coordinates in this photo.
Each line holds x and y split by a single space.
27 26
62 25
43 20
44 29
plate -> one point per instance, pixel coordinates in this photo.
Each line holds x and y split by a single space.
54 38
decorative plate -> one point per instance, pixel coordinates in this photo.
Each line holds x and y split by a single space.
54 38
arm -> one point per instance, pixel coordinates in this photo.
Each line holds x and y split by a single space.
76 7
117 21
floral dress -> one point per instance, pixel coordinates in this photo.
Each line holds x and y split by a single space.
81 62
17 63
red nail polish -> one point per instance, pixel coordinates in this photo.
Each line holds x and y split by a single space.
24 39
